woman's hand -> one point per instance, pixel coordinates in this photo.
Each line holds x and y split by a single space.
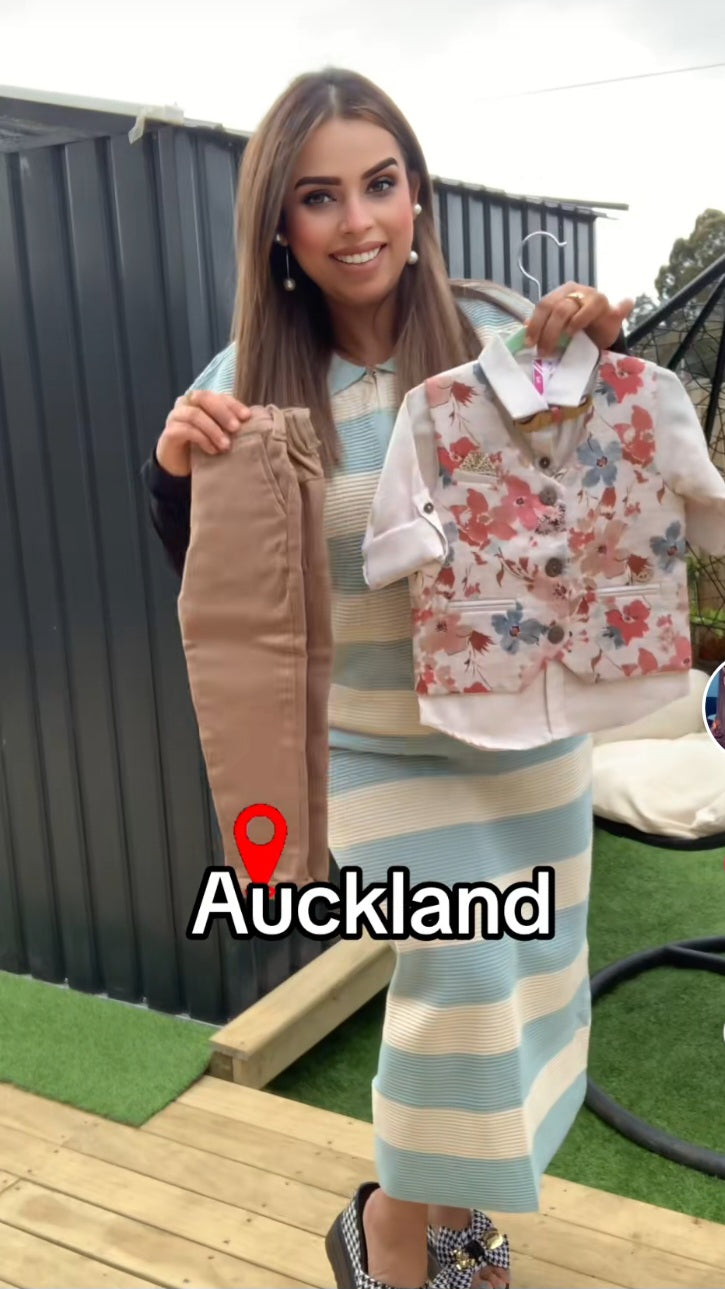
558 315
201 417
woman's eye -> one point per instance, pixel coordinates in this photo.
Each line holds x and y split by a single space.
316 198
378 186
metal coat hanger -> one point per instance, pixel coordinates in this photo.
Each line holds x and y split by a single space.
517 341
540 232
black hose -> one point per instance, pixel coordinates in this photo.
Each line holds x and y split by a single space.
695 955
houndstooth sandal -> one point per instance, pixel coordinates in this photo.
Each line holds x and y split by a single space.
460 1253
347 1248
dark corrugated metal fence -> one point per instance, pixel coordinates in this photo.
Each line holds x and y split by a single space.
116 287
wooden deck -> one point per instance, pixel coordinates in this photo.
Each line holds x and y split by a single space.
231 1186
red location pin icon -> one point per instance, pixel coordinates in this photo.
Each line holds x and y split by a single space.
260 858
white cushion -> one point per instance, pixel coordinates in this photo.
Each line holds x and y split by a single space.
671 787
663 774
684 716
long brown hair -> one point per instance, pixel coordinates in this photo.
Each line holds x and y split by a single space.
284 340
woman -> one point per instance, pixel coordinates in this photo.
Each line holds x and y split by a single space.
717 729
482 1064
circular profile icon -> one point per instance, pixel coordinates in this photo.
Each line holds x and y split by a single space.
713 707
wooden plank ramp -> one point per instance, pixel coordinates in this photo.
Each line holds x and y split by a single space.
291 1019
231 1187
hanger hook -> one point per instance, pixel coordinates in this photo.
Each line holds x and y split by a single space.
540 232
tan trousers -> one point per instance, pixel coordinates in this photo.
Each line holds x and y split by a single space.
255 616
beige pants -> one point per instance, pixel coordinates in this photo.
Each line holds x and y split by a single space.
255 616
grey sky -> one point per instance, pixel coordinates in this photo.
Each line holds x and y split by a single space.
655 144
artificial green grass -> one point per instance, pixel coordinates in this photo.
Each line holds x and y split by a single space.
657 1041
122 1062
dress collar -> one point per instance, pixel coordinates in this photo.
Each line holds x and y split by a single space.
342 374
510 376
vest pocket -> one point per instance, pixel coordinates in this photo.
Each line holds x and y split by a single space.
626 632
484 478
480 646
483 605
636 588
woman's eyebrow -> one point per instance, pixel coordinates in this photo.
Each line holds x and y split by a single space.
329 182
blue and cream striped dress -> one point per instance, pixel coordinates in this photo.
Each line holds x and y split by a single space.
482 1065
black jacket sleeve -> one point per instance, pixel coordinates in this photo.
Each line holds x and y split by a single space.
169 500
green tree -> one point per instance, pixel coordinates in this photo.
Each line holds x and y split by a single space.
692 255
643 307
689 257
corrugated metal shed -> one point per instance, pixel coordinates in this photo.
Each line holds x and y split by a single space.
116 287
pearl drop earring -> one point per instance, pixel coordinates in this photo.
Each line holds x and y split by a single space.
289 283
417 210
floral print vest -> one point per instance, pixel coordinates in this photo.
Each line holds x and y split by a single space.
582 565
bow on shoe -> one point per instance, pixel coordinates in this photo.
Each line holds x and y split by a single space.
460 1253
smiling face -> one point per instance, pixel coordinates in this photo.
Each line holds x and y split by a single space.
348 211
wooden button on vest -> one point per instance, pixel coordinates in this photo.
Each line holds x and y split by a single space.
555 635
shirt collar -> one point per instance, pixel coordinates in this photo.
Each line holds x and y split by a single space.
510 376
342 374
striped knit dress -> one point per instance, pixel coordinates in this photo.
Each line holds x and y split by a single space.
482 1065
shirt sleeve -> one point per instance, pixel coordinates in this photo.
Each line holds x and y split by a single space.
684 462
404 530
169 505
169 496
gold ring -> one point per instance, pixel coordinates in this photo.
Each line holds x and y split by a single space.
578 296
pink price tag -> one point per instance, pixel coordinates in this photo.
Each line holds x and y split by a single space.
543 371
